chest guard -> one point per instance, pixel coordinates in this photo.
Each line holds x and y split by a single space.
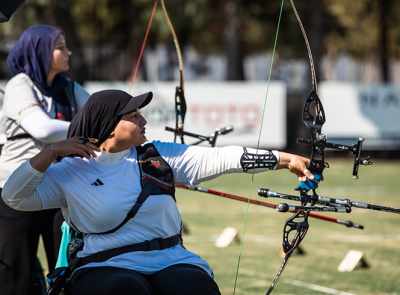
153 168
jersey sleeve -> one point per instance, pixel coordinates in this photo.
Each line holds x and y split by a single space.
49 190
29 190
183 159
20 98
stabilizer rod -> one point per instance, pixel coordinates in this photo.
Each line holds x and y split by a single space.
264 192
347 223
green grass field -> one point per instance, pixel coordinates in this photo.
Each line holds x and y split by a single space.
325 245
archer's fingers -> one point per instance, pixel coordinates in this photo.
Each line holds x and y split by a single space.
85 152
89 149
93 140
92 147
308 174
86 146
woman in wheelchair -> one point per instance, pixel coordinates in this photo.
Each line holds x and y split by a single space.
117 190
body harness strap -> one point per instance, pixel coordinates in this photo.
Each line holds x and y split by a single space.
19 136
148 189
155 244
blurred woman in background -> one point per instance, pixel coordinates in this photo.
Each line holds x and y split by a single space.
38 105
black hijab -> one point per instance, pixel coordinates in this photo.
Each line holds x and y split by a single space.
102 112
32 55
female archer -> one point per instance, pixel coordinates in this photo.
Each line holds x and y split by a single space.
117 190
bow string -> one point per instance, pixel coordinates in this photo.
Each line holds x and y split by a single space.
314 118
258 145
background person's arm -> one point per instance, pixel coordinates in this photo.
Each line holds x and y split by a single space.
40 126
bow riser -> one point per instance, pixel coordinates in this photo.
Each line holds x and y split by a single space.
314 121
180 111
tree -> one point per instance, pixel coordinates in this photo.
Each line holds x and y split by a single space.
366 29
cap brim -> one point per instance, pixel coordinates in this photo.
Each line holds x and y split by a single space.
137 102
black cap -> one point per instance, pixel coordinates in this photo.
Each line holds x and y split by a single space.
102 112
136 102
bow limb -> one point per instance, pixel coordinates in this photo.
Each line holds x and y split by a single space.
313 119
180 101
313 76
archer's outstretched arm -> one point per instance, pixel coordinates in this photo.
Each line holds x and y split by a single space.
236 159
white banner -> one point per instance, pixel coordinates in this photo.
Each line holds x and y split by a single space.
214 105
368 111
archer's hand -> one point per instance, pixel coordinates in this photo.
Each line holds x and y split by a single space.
76 145
295 164
73 145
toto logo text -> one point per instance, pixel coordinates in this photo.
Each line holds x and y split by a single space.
243 115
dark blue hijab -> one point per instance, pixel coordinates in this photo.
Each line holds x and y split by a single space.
32 55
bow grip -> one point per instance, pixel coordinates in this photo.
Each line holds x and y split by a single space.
309 184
